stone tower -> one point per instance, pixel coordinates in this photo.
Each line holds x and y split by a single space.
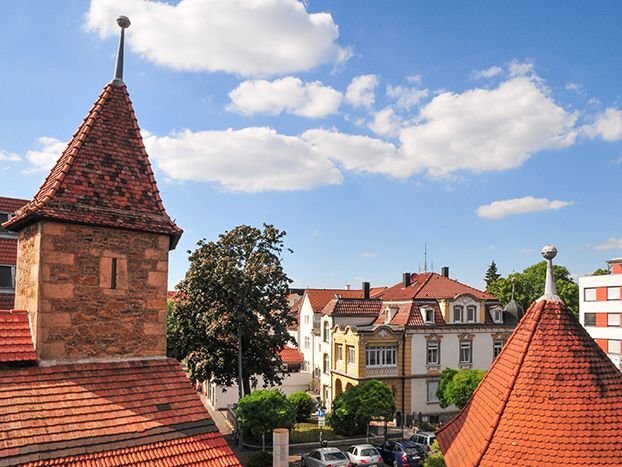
93 243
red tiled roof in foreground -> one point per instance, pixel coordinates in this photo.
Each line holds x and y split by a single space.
103 177
113 408
552 397
291 356
15 341
8 251
7 301
431 285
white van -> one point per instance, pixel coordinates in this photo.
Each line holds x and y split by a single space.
425 439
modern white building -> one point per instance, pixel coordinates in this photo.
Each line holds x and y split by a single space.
600 309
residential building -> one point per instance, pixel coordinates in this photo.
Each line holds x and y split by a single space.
8 252
552 397
600 309
423 324
84 378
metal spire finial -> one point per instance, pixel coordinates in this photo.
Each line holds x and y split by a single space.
124 23
550 291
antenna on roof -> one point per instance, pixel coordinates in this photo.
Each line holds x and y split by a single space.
550 292
124 23
425 257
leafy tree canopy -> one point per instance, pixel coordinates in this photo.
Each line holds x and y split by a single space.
303 404
262 411
355 408
491 274
235 287
529 286
458 386
600 272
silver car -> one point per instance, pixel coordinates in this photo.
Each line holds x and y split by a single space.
364 454
325 457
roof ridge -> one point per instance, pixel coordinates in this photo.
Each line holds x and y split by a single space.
423 285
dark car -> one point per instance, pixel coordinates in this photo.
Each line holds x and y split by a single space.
401 453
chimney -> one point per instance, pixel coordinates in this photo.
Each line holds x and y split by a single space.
445 271
406 279
347 286
365 289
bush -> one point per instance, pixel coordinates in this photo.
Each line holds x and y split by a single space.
435 458
303 404
262 411
260 459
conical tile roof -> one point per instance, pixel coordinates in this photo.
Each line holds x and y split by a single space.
103 177
552 397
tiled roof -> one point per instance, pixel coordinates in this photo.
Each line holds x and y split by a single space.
320 297
62 411
103 177
208 449
291 356
294 309
400 318
416 319
15 341
352 307
8 251
431 285
7 301
11 204
552 397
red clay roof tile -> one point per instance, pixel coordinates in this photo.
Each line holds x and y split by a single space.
8 251
11 204
552 397
15 340
291 356
320 297
103 177
431 285
352 307
7 301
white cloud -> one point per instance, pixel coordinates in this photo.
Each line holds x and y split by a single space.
527 204
574 87
486 129
518 68
9 156
385 122
248 160
608 125
405 97
487 73
288 94
369 254
44 158
250 38
611 244
361 91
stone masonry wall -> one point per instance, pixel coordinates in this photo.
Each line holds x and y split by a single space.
27 274
80 314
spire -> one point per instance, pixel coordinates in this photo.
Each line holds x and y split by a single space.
550 292
513 285
124 23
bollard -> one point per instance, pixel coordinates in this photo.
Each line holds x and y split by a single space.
280 447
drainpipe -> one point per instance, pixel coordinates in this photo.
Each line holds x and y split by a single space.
403 377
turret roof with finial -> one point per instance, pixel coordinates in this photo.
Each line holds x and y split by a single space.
103 177
552 397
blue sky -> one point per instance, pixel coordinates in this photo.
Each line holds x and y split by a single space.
363 129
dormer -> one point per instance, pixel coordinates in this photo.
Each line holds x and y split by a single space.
465 309
389 313
496 314
427 314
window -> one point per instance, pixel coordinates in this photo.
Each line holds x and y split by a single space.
497 315
466 351
433 353
613 319
432 387
381 356
350 354
326 365
325 331
306 320
307 342
613 293
589 295
497 346
339 352
458 313
7 277
428 315
589 319
471 313
4 216
613 347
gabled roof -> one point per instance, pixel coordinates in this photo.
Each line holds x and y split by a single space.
552 397
319 298
105 411
103 177
352 307
291 356
15 341
11 204
431 285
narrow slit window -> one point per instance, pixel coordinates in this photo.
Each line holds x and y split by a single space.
113 273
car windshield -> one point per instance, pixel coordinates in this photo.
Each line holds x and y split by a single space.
334 456
369 452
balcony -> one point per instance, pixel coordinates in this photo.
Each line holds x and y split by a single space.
381 371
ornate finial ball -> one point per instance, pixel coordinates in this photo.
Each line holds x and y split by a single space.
123 22
549 251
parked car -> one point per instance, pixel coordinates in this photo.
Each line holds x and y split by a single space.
325 457
401 453
425 439
364 455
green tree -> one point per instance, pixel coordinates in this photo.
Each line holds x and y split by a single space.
303 404
435 457
355 408
262 411
234 299
601 272
529 286
446 376
458 386
491 274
